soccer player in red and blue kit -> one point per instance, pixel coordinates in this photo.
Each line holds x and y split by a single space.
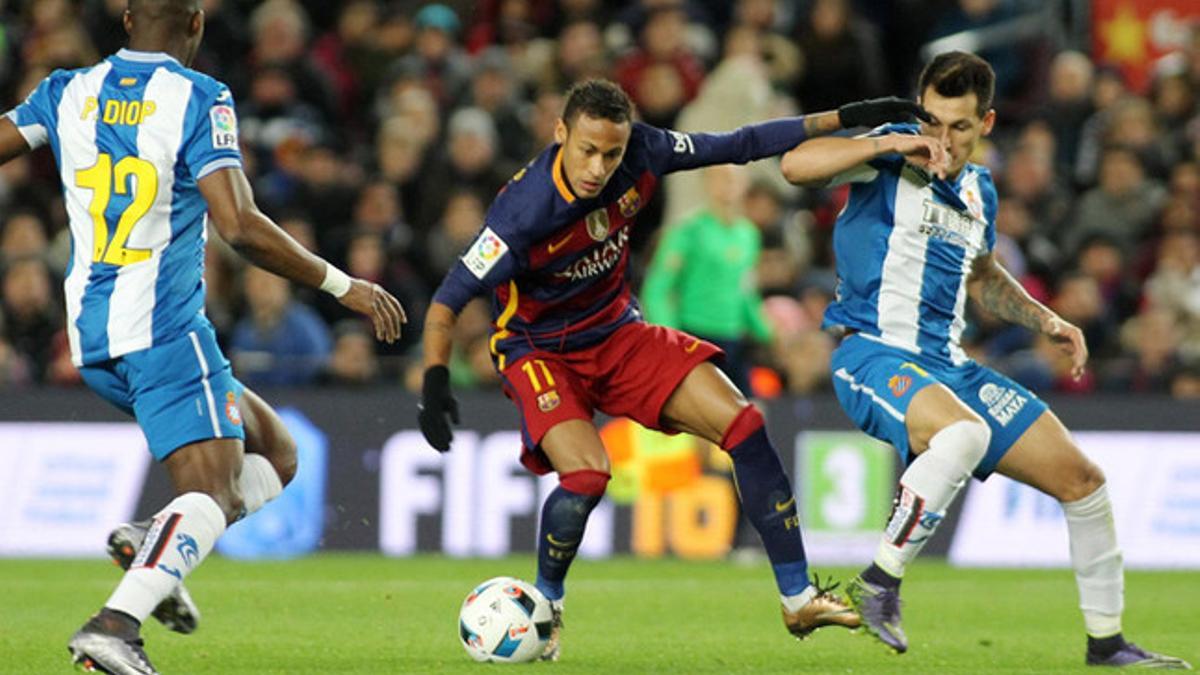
568 337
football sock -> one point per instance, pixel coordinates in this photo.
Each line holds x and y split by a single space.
926 488
1097 562
1107 646
179 538
564 517
767 500
874 574
259 482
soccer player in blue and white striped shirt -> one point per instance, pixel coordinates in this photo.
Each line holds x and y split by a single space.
146 148
914 242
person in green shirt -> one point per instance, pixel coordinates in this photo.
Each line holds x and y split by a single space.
702 277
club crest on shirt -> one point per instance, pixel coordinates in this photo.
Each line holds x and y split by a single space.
231 409
974 202
630 202
899 384
548 401
597 224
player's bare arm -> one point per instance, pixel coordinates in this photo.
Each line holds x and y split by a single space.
998 292
257 238
12 143
816 162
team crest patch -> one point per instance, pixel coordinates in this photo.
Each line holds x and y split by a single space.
548 401
630 202
484 253
224 126
1003 403
597 224
899 384
231 409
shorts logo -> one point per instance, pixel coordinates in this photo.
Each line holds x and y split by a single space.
548 401
691 346
597 224
899 384
630 202
224 126
1003 403
231 409
483 255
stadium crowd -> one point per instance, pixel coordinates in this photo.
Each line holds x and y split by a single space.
377 133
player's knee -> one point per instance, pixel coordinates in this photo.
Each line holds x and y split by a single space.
745 425
966 440
589 482
227 495
1081 481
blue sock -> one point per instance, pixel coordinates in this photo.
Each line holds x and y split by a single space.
564 516
768 501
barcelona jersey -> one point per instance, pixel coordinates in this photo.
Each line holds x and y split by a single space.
132 135
555 263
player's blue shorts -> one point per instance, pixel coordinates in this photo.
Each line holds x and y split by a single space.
875 383
180 392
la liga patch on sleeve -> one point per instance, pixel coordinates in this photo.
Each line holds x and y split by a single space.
224 126
485 252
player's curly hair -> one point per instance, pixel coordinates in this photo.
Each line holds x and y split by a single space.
958 74
598 98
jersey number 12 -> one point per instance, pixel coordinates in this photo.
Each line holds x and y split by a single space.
102 178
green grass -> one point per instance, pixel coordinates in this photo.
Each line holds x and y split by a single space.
368 614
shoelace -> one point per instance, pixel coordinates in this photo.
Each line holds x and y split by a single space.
827 588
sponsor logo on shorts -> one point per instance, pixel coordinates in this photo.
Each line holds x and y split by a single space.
1003 403
899 384
548 401
231 409
691 346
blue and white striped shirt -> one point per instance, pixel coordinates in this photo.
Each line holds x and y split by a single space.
904 246
132 135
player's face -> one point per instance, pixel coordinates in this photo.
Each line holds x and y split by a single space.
957 123
592 151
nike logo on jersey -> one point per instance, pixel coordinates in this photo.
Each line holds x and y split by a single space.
554 247
780 507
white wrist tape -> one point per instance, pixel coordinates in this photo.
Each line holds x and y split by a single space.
336 283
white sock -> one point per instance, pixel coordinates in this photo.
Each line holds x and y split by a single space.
180 537
1097 562
259 482
926 488
793 603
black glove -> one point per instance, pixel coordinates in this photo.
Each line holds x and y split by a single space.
876 111
436 404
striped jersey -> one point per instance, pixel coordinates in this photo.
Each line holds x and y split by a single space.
132 135
904 246
555 263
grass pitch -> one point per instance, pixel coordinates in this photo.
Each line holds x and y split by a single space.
369 614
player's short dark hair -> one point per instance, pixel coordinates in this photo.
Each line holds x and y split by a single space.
602 99
174 13
958 74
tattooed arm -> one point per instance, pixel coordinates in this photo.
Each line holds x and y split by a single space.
994 289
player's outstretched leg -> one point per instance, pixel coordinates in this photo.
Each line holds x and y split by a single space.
1046 458
770 505
564 517
178 612
957 442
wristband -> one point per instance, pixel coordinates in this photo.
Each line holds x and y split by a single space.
336 283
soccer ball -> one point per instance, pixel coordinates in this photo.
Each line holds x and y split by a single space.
505 620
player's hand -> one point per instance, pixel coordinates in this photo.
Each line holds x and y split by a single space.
1070 340
436 405
385 311
924 151
876 111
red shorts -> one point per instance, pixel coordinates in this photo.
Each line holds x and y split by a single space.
630 374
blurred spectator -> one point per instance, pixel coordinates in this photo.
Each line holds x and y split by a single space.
281 33
469 163
1069 104
842 62
461 221
349 58
1007 58
662 73
1029 178
757 28
31 312
280 342
576 55
353 360
1078 300
1123 206
22 236
492 92
1175 286
1153 340
438 61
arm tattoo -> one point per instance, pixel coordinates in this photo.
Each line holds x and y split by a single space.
821 124
1003 296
